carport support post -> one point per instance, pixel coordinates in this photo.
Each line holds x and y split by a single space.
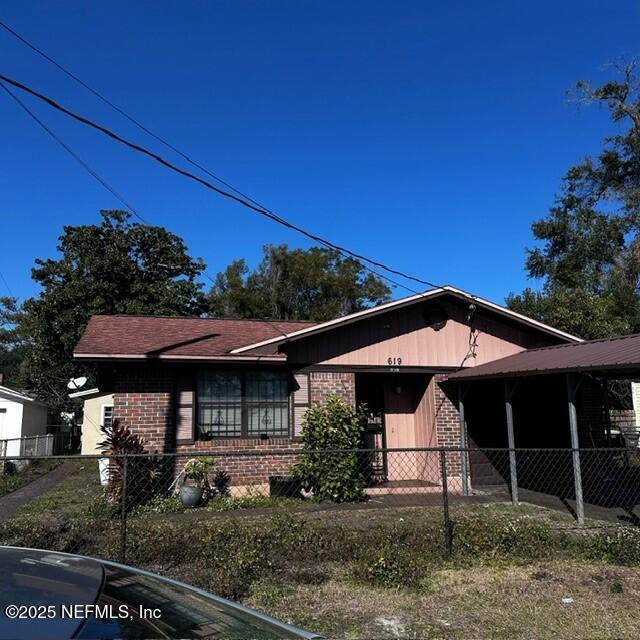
463 441
509 388
573 383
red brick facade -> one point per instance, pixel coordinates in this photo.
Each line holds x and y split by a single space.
254 460
144 400
447 417
338 383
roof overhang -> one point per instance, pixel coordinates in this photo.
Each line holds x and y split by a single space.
84 395
16 396
405 302
617 356
606 371
128 357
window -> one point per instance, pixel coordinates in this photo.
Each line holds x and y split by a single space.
267 403
220 404
107 416
243 404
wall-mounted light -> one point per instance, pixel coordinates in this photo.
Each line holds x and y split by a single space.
398 390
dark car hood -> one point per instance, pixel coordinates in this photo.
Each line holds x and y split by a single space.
41 579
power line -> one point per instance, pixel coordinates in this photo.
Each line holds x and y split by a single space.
115 193
82 163
123 113
6 284
240 200
73 154
159 138
105 184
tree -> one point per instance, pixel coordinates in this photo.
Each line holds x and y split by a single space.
590 256
296 284
114 267
11 346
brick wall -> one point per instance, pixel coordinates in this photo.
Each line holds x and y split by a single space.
447 422
337 383
447 418
271 457
143 398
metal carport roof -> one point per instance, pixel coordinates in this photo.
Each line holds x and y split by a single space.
621 353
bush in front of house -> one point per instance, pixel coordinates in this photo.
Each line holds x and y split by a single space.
619 545
143 472
329 466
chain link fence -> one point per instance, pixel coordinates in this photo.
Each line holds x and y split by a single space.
42 445
107 506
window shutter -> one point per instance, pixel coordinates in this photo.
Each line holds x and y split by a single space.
300 402
185 410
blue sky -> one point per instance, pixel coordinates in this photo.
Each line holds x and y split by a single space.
427 135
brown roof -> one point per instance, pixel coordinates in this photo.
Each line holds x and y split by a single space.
621 353
174 337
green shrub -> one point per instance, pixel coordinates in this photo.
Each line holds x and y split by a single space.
337 476
160 504
248 502
393 567
619 546
198 470
519 538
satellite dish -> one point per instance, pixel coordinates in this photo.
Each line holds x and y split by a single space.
76 383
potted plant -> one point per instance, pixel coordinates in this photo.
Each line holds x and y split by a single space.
196 480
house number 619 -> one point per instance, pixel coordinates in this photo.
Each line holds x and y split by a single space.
394 360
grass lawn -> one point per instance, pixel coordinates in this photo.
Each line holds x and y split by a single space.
11 481
362 572
468 603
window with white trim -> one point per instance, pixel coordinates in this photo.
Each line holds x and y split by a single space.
107 416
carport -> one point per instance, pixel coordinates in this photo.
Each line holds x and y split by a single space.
551 397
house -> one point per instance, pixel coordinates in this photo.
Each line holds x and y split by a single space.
21 416
97 412
194 384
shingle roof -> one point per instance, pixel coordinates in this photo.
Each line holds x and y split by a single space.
620 353
159 336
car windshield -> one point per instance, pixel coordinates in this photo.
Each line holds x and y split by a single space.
161 609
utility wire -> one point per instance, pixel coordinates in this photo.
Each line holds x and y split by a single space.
159 138
273 322
115 193
240 200
73 154
6 284
123 113
80 161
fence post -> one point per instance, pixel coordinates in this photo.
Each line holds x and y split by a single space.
448 536
509 388
463 441
123 513
572 390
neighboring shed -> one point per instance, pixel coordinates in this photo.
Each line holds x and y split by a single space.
20 416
